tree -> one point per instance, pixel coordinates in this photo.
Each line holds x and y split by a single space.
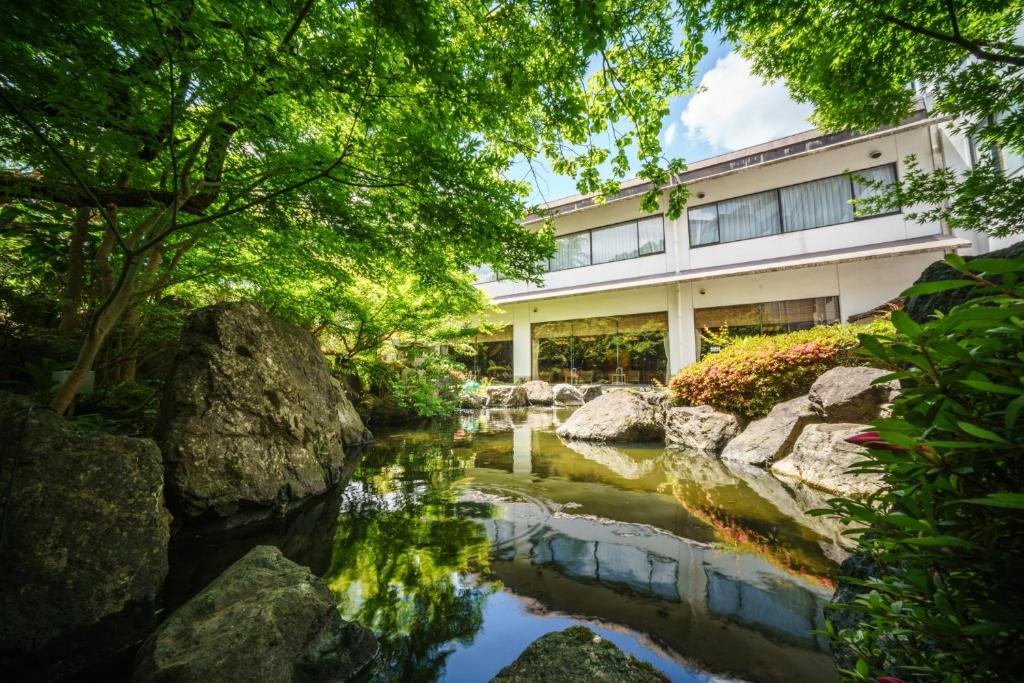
865 65
357 133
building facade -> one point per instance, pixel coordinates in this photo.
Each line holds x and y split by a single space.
768 243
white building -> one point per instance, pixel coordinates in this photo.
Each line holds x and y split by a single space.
768 242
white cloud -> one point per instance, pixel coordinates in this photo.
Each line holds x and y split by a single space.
670 132
735 109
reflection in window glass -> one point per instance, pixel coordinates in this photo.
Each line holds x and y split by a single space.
703 222
771 317
652 235
816 204
571 251
616 243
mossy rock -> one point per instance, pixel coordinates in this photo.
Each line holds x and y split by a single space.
577 655
922 308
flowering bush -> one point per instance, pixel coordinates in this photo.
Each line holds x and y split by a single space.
752 374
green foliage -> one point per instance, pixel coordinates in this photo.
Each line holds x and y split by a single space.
430 387
947 529
752 374
861 63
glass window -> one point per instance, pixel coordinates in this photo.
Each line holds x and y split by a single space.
703 222
616 243
755 215
771 317
571 251
883 174
652 235
815 204
484 273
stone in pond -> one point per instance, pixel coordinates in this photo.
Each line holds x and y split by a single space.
567 395
506 396
769 439
539 393
264 619
615 416
577 655
847 394
700 429
821 459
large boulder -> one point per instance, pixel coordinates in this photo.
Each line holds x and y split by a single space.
616 416
821 457
84 553
507 396
471 401
251 417
539 393
264 619
590 392
567 395
769 439
847 395
576 655
700 429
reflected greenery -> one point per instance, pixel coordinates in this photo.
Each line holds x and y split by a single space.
405 554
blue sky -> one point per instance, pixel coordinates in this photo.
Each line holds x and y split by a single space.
733 109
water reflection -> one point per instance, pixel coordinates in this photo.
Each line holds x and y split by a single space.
447 534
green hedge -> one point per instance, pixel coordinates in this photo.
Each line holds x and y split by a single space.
754 373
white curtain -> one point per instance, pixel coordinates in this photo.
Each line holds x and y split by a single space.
884 174
703 222
571 251
615 243
652 235
816 204
755 215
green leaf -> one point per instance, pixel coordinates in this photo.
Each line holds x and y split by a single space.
1010 500
937 286
980 432
984 385
904 324
939 541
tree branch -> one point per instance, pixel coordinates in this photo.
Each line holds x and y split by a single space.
974 48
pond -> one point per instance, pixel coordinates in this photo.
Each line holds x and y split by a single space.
463 541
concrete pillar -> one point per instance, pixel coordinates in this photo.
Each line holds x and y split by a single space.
521 343
687 339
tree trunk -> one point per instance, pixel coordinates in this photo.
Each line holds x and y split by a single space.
69 317
104 320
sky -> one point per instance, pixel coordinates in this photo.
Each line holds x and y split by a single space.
732 109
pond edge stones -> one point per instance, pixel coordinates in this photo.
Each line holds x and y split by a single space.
701 429
770 438
821 457
264 618
615 416
251 416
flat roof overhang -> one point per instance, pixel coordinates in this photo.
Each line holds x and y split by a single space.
944 243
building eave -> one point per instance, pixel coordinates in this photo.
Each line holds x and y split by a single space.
932 243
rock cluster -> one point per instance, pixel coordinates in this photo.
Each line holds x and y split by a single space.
615 416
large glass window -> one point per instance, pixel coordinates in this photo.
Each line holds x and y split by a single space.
616 243
812 205
604 245
770 317
808 205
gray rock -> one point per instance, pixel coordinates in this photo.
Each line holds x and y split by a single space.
769 439
567 395
821 457
264 619
472 401
848 395
590 392
251 417
539 393
576 655
700 429
506 396
615 416
84 553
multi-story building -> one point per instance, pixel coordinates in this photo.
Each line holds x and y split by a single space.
768 242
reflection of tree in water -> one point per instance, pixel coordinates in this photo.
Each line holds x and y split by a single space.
404 553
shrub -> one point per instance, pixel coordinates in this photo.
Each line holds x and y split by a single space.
947 529
752 374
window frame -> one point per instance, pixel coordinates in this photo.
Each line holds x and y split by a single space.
778 194
636 232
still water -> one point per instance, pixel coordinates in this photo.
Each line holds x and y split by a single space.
462 542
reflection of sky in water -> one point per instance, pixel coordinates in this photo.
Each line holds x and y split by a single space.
509 627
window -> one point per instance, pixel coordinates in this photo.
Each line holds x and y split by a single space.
484 273
613 243
616 243
814 204
571 251
771 317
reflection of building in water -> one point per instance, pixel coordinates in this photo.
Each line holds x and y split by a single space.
708 584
